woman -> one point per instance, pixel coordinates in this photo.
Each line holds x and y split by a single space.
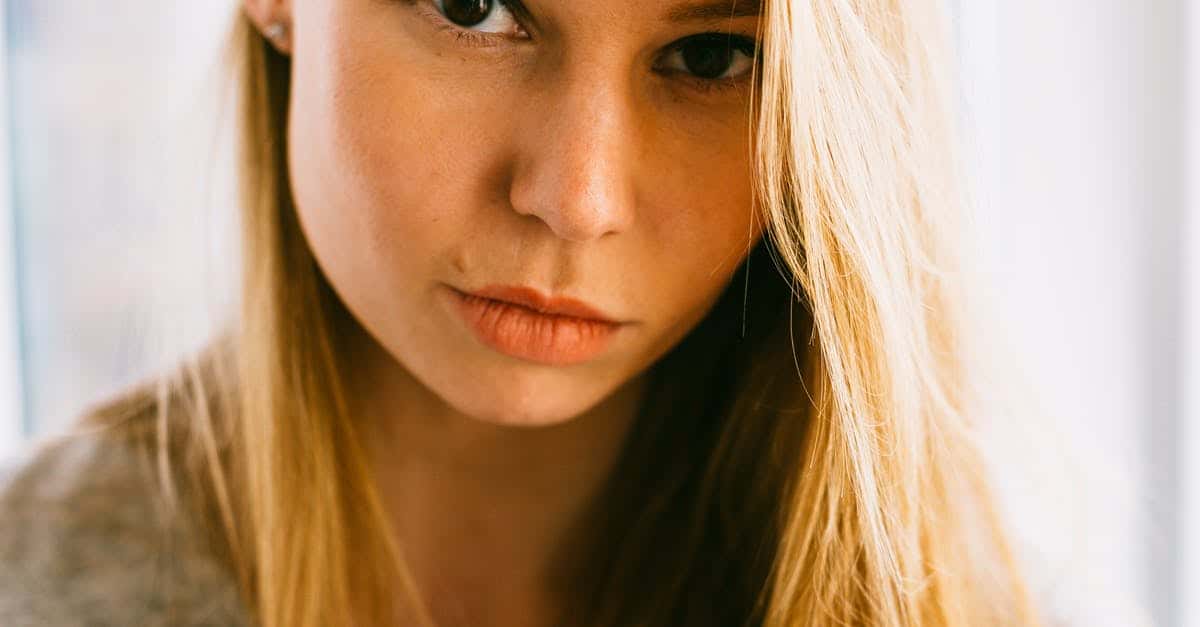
555 313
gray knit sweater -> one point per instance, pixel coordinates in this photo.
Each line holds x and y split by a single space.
85 540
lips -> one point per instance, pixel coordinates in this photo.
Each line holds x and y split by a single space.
532 299
521 323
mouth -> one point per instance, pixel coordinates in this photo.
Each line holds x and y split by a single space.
534 301
521 323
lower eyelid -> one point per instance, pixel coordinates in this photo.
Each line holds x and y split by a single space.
719 85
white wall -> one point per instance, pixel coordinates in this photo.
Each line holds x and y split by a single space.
113 267
1076 108
11 407
1189 449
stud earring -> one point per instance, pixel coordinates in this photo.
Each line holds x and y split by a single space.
275 30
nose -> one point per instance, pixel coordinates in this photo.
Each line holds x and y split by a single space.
576 162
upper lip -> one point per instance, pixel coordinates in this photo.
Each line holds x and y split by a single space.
531 298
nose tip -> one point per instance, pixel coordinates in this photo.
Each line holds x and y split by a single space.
584 203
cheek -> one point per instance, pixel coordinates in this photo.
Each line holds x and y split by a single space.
386 160
703 213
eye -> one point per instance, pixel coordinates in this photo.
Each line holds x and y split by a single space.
713 56
483 16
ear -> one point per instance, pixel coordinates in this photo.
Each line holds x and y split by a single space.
273 18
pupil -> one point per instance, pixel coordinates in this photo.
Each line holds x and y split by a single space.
467 12
707 58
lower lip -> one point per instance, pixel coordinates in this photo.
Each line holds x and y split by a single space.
526 334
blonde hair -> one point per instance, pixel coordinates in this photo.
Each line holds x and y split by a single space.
805 456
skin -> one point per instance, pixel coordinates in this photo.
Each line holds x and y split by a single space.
563 159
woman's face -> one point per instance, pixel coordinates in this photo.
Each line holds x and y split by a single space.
593 151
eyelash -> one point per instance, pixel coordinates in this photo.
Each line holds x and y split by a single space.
475 39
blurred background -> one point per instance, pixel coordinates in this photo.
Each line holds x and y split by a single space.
1084 152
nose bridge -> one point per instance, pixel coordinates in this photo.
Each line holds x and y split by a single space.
577 161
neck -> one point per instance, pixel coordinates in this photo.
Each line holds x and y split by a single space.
490 517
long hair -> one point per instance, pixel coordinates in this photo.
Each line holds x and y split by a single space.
805 456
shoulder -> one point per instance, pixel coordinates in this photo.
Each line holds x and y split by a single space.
86 538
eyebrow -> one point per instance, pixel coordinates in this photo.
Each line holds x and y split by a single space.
720 9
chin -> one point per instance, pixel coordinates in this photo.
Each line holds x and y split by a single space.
510 402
